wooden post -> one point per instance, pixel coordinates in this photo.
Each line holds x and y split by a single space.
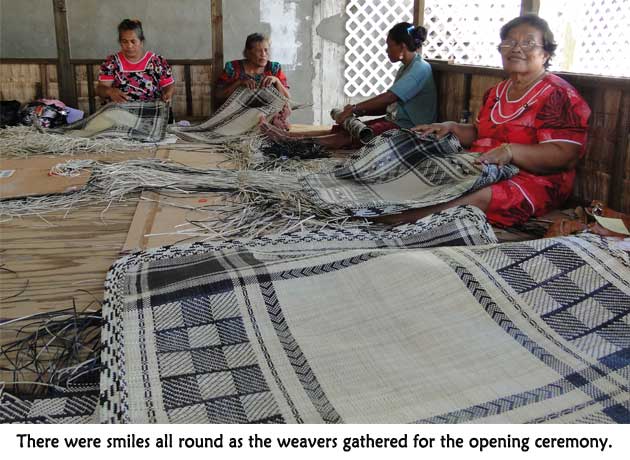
65 70
619 172
465 117
90 88
43 77
216 8
418 12
530 6
188 85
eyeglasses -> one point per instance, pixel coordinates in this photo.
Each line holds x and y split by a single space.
525 45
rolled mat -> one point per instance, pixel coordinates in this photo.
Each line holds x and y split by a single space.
355 127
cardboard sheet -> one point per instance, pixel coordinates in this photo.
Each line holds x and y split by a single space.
158 216
31 177
194 159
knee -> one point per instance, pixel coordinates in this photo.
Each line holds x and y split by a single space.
480 198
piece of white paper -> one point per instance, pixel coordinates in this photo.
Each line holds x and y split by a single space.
612 224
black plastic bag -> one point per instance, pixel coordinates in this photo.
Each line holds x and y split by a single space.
9 113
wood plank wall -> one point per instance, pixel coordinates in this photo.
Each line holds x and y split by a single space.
604 172
27 81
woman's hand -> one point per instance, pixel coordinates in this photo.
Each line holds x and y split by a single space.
500 156
167 94
247 83
116 95
270 80
439 129
344 114
466 133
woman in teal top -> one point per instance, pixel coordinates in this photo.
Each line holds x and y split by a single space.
411 100
415 89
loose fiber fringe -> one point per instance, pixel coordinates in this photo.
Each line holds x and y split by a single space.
259 202
24 141
51 352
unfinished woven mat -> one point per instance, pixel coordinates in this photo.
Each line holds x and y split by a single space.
239 115
138 121
357 329
115 127
77 407
401 170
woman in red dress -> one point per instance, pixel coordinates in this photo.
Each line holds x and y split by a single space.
534 120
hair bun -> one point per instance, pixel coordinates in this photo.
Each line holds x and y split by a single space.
419 35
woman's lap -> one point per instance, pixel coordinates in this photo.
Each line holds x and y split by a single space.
525 195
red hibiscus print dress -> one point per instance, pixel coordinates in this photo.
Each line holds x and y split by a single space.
550 111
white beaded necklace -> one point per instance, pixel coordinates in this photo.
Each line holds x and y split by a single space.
496 114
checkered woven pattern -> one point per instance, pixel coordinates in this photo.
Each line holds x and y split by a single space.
207 366
358 329
239 115
368 327
138 121
567 295
401 170
76 408
193 355
587 310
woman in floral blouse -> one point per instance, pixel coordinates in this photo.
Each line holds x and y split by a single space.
534 120
133 74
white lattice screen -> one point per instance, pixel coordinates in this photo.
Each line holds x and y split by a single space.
593 36
463 31
466 32
368 70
